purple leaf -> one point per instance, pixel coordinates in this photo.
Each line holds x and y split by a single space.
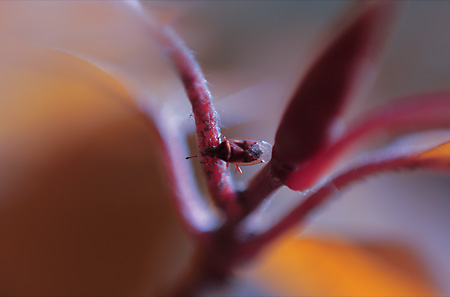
328 87
413 113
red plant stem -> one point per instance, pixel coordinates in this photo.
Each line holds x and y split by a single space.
321 96
219 180
414 113
196 216
259 188
253 243
326 90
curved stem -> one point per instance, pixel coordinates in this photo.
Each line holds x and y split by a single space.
259 188
219 182
252 243
218 177
412 113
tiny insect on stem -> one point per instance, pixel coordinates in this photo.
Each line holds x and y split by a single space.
240 152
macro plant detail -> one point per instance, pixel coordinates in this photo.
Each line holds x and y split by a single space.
306 144
319 150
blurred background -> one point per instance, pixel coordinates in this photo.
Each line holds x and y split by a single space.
253 54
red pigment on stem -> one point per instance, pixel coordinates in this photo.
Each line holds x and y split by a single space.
254 243
259 188
412 113
219 181
195 215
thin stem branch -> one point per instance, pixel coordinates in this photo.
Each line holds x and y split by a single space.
219 181
254 242
259 188
196 215
408 114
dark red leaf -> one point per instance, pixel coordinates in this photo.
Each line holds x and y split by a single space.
328 87
409 114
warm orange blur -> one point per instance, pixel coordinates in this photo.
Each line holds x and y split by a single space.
84 209
336 267
441 152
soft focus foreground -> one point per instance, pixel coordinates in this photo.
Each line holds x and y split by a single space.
94 217
84 208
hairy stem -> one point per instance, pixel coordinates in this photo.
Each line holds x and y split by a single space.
219 180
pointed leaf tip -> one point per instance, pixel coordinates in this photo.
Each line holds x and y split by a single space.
328 86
